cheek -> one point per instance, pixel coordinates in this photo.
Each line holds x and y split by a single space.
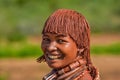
43 47
71 49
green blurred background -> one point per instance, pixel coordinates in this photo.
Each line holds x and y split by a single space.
21 23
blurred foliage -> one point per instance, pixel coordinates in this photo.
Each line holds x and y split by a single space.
21 18
23 49
20 49
3 77
30 15
15 36
109 49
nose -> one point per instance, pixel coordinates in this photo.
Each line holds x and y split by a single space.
52 47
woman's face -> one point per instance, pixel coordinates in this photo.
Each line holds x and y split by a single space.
59 50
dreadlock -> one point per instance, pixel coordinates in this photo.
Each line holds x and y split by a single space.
76 26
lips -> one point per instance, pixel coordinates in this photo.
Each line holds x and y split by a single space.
54 56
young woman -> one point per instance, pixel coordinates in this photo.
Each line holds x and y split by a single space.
66 47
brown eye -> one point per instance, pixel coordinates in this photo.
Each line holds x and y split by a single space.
61 41
46 40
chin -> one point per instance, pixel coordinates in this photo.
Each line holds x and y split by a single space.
55 66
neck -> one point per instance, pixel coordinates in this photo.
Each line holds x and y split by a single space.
69 72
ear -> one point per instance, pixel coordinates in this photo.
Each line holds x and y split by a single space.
79 53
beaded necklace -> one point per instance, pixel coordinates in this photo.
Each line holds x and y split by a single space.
69 72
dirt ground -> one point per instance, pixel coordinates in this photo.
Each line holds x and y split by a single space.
29 69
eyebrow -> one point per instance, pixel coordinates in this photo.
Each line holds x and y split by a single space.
61 35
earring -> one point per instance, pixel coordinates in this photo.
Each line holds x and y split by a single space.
79 51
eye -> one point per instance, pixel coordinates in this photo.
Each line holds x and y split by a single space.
46 40
61 41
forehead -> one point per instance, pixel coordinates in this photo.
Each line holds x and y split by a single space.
55 34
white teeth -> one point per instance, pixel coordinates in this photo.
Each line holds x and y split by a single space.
53 57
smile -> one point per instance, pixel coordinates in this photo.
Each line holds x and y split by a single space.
52 57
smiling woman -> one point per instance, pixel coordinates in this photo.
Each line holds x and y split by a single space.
66 47
59 50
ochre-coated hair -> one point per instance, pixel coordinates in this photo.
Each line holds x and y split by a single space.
74 24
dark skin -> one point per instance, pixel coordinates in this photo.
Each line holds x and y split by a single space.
59 50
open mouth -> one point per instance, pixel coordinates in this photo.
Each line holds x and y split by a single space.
52 57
